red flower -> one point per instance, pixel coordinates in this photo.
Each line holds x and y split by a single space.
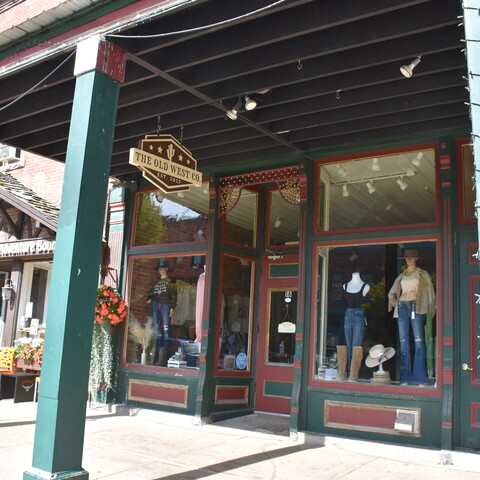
110 307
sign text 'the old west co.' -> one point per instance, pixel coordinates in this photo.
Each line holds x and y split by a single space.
166 163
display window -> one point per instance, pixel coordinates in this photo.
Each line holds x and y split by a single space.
177 217
240 223
376 313
166 300
283 221
236 310
466 173
33 302
389 190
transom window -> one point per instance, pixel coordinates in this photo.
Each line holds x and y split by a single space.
383 191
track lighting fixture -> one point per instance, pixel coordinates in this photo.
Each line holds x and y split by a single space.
417 160
402 184
371 189
375 165
232 113
250 103
345 192
407 70
277 223
341 171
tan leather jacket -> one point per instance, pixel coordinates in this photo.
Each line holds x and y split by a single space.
426 300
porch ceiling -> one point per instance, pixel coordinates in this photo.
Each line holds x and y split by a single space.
331 68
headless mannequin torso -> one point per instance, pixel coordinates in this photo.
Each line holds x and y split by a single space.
355 284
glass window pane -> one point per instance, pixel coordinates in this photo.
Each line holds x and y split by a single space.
236 295
397 189
284 222
354 316
242 219
172 218
283 322
165 317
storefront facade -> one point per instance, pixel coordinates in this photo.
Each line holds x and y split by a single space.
345 173
281 245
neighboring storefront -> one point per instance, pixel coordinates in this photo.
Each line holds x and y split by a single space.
28 232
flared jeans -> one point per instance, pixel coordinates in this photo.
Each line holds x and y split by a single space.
408 317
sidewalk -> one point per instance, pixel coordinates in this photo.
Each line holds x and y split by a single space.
142 444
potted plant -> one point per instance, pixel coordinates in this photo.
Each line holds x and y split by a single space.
28 354
143 335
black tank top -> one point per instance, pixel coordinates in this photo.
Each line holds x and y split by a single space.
354 300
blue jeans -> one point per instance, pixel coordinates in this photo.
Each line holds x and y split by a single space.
354 325
161 316
405 319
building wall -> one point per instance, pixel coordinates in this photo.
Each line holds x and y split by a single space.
42 175
24 11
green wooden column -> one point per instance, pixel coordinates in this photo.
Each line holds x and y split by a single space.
60 427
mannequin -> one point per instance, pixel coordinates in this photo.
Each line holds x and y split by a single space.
199 305
412 296
163 297
350 355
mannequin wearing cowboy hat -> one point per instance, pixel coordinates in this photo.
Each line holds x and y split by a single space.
163 297
412 297
350 355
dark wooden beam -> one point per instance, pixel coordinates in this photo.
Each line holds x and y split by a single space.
8 219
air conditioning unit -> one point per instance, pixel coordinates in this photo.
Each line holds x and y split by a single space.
9 157
8 154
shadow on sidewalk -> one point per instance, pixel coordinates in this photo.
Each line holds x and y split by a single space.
32 422
229 465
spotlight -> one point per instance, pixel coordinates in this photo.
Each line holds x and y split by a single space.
417 160
401 183
371 189
375 165
250 103
181 194
345 192
277 223
341 171
407 70
232 114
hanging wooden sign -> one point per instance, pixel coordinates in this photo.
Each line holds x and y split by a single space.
166 163
287 327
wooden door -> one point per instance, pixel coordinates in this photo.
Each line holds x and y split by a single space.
468 367
276 335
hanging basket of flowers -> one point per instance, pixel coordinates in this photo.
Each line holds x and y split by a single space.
110 308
